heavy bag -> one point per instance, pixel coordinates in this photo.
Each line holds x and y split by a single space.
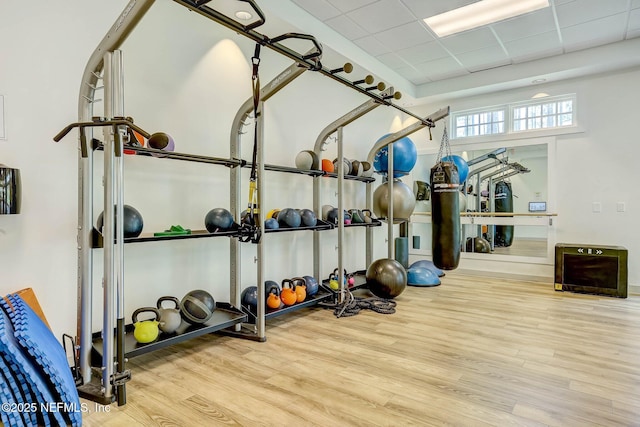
445 215
503 203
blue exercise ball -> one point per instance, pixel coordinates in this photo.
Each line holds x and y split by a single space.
420 276
405 156
425 263
461 164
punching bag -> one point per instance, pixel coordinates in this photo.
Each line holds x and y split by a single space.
503 203
445 215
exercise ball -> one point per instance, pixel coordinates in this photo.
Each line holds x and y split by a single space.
405 156
289 218
327 165
478 245
161 141
218 219
421 276
426 263
356 168
132 224
197 306
347 165
461 164
404 202
249 299
386 278
367 169
271 224
307 160
308 217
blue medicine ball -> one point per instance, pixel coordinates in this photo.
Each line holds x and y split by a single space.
461 164
420 276
425 263
405 156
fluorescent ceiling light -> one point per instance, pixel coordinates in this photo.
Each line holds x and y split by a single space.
481 13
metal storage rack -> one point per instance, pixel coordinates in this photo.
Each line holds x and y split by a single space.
106 64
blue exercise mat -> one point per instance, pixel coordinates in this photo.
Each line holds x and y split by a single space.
9 413
13 355
47 353
14 382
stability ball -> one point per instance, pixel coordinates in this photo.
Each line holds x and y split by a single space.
427 263
197 306
405 156
386 278
461 164
421 276
404 202
218 219
132 223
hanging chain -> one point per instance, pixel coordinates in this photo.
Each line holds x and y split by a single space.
445 147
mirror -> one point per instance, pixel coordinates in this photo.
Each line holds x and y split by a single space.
501 181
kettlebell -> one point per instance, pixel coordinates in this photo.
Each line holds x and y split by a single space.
288 293
170 318
273 299
333 282
146 331
367 216
357 217
300 288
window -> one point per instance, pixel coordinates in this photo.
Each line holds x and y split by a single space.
544 114
476 123
547 113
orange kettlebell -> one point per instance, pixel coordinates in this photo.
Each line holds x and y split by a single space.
301 288
288 293
273 300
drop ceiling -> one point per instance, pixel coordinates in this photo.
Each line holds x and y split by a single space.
389 38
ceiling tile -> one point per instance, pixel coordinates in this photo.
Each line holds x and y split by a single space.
392 60
483 59
534 47
349 5
381 16
580 11
533 23
321 9
635 4
469 40
594 33
346 27
634 20
426 8
404 36
423 53
442 69
372 46
415 76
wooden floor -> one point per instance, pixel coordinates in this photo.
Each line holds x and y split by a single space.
472 352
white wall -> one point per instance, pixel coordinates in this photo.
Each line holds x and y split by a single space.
187 76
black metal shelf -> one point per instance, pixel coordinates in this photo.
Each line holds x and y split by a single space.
373 223
321 225
97 239
224 316
311 172
321 296
161 154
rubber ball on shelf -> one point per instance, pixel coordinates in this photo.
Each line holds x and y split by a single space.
249 299
307 160
218 219
132 223
271 224
289 218
197 306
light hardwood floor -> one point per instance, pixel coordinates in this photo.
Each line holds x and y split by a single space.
474 351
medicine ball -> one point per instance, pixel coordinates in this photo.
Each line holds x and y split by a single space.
161 141
478 245
308 217
218 219
271 224
289 218
356 168
132 224
249 299
327 166
367 169
197 306
312 285
307 160
347 165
